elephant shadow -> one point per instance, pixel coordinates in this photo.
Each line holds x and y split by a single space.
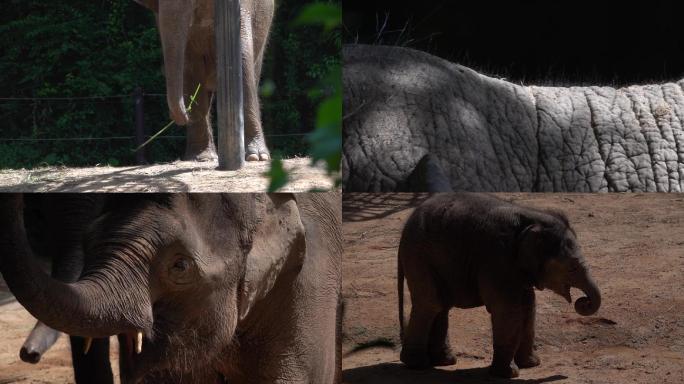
396 373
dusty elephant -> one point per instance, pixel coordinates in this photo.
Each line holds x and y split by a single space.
187 35
469 250
249 282
408 114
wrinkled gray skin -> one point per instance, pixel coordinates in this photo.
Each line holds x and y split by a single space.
187 34
248 282
468 250
491 135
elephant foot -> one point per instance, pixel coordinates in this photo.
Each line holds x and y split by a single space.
528 361
415 358
506 371
442 357
207 154
256 149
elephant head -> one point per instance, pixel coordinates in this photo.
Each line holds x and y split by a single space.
547 252
173 275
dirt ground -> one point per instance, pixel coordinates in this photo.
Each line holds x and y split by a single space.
179 176
53 368
634 244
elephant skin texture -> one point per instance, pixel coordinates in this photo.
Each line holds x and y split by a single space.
188 41
486 134
468 250
207 288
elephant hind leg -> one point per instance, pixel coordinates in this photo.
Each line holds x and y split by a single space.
414 349
428 176
426 306
438 347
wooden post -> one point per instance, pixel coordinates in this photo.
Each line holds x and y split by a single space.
139 126
230 119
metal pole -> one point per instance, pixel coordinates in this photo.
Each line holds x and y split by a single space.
230 119
139 125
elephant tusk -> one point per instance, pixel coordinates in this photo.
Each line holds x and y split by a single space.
138 342
86 346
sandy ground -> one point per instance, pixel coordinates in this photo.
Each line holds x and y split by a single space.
53 368
179 176
634 244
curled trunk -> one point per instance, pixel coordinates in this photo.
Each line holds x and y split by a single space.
88 308
589 304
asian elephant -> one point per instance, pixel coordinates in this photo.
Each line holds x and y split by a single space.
408 114
187 35
248 282
467 250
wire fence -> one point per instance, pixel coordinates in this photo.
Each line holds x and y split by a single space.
140 133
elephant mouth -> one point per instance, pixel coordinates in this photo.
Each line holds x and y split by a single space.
564 291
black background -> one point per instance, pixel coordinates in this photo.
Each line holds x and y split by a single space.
534 41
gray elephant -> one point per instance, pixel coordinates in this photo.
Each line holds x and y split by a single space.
416 122
249 282
187 35
469 250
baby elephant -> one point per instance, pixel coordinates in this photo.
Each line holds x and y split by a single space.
468 250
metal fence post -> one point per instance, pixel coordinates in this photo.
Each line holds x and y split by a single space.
230 119
139 125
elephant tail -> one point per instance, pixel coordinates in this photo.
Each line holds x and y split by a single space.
400 292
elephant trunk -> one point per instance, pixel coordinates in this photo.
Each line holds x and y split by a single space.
174 25
85 308
589 304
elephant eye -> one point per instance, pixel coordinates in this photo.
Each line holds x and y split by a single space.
181 271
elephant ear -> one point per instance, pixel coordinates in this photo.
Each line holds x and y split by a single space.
278 249
535 245
150 4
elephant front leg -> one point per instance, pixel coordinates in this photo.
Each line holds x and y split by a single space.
506 331
255 144
525 356
200 139
439 349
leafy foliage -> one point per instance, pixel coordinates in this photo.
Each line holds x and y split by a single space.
326 139
76 49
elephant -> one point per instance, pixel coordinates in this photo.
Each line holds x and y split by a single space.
187 35
466 250
249 282
415 122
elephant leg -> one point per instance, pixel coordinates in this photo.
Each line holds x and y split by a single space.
525 356
414 350
439 348
93 367
506 331
200 138
38 342
428 176
255 144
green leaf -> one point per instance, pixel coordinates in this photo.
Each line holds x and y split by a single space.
277 175
326 14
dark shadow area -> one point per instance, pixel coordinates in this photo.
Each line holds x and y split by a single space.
369 206
533 41
396 373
